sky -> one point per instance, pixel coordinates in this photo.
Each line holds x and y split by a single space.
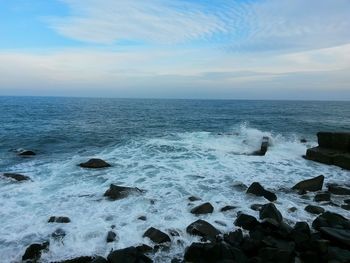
206 49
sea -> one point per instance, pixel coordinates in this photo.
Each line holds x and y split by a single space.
172 149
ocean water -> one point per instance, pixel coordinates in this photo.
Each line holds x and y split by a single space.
170 148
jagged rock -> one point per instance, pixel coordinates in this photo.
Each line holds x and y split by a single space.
205 208
321 197
58 234
156 235
116 192
17 177
111 236
313 185
58 219
270 211
193 198
203 229
247 222
26 153
128 255
234 238
33 252
263 148
227 208
213 252
256 189
313 209
95 164
329 219
340 236
338 190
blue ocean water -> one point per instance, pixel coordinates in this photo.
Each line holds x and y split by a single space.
170 148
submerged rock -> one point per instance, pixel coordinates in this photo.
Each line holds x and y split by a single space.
58 234
17 177
193 198
338 190
313 185
227 208
313 209
203 229
58 219
26 153
205 208
257 189
156 236
128 255
95 164
111 236
116 192
33 252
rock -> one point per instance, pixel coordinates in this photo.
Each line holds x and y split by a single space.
111 236
340 236
292 209
313 209
83 259
173 233
26 153
269 254
338 190
345 207
142 218
17 177
227 208
193 198
241 187
270 211
347 201
247 222
313 185
263 148
58 234
203 229
156 236
95 164
303 140
59 219
116 192
321 197
205 208
213 252
33 252
338 255
144 249
128 255
329 219
234 238
334 140
99 260
342 160
256 207
256 189
220 223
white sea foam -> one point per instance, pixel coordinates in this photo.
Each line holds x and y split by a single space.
170 169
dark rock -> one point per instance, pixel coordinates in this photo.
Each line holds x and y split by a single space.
128 255
234 238
193 198
338 255
33 252
173 233
26 153
111 236
83 259
247 222
59 219
116 192
203 229
329 156
263 148
313 209
321 197
338 190
303 140
268 254
313 185
292 209
156 235
301 234
240 187
270 211
17 177
334 140
58 234
227 208
342 160
256 207
142 218
205 208
279 243
95 164
345 207
220 223
329 219
99 260
341 236
256 189
144 249
347 201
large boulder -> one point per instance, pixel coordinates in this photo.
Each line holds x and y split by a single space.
95 164
258 190
17 177
247 222
329 219
203 229
313 209
128 255
116 192
263 148
156 235
205 208
270 211
334 140
313 185
33 252
338 190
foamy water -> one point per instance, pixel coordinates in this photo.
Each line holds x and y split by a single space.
170 169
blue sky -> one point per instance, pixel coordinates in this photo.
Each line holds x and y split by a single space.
253 49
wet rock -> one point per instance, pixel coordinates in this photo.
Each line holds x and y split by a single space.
116 192
345 207
59 219
270 211
95 164
312 185
347 201
263 148
301 234
247 222
292 209
99 260
256 189
256 207
17 177
173 233
26 153
156 235
340 236
269 254
234 238
313 209
227 208
303 140
241 187
220 223
338 255
193 198
111 236
329 219
322 197
203 229
83 259
338 190
33 252
142 218
128 255
205 208
58 234
144 249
